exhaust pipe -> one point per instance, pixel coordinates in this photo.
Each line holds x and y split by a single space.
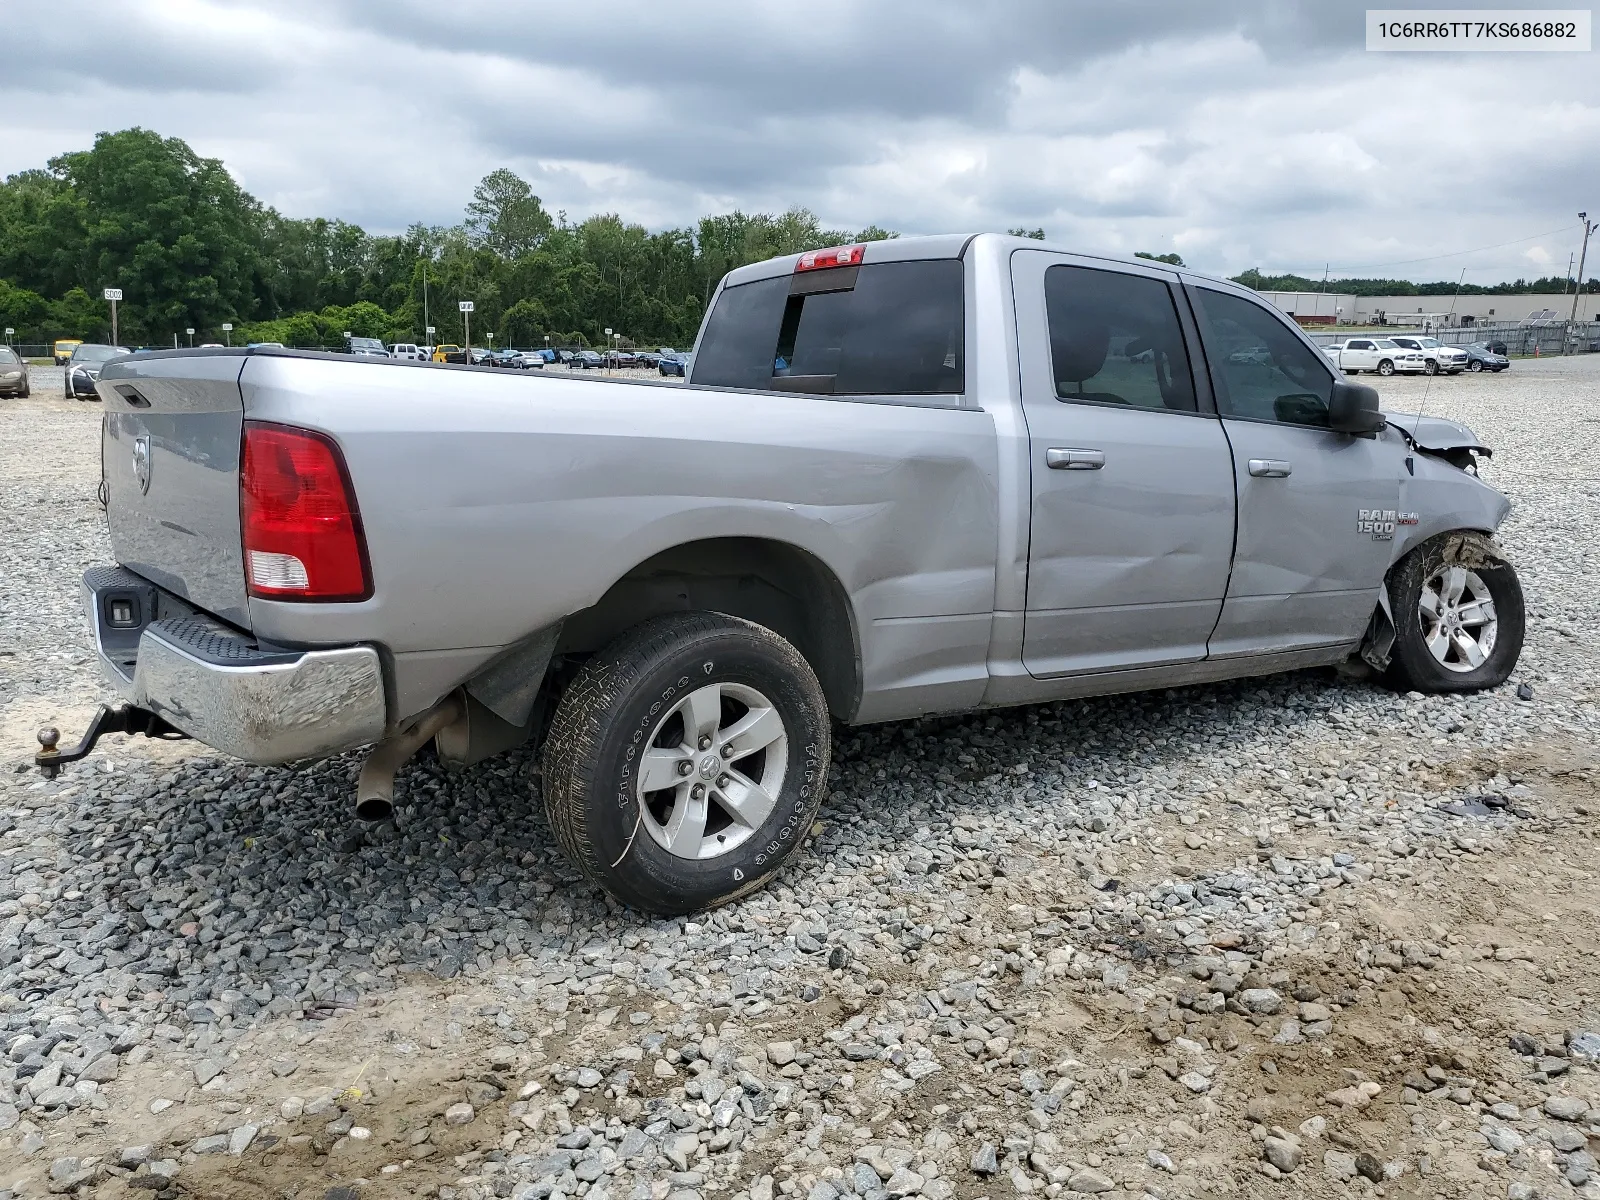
375 790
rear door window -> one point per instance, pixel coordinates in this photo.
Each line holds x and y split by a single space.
1115 339
887 329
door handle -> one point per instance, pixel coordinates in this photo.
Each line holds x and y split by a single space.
1059 459
1270 468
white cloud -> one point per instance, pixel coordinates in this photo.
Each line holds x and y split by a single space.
1261 134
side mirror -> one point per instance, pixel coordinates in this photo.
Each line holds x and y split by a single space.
1353 408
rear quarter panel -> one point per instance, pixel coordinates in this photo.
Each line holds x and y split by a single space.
495 503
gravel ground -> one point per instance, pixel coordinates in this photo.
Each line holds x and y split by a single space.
1294 936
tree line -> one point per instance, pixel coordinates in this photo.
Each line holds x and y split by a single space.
190 248
1546 285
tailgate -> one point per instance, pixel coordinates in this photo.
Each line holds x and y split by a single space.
170 453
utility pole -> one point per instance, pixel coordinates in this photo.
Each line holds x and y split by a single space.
1583 257
1567 278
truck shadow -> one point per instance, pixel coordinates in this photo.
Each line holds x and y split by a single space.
218 876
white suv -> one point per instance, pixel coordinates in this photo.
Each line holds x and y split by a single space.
1452 360
406 350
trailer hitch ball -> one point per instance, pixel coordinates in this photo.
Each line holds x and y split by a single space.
49 736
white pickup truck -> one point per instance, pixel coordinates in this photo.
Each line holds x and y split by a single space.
1380 355
903 477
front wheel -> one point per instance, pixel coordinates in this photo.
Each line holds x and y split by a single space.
1475 366
687 761
1459 615
1386 367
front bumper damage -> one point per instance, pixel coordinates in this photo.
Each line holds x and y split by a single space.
197 676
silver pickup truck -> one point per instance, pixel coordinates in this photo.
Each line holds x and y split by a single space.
904 477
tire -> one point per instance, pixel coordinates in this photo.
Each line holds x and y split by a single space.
1474 366
1455 574
1432 368
651 689
1386 368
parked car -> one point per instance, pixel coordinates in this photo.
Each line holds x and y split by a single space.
83 369
1481 358
480 355
646 358
13 373
585 360
621 358
1375 354
64 348
675 363
1031 516
1496 348
365 347
409 351
532 360
564 356
1451 360
449 353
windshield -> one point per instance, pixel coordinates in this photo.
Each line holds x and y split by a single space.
6 356
1428 343
1385 344
365 344
96 353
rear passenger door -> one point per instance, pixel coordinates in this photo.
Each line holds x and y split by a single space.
1360 354
1305 572
1132 483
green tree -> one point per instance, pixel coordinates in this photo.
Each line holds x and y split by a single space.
1161 258
1036 234
505 215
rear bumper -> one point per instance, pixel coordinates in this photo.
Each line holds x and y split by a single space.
259 704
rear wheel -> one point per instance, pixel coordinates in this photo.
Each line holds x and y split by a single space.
687 761
1459 616
1386 367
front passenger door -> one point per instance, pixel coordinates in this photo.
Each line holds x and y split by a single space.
1307 565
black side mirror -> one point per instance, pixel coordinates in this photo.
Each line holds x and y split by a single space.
1353 408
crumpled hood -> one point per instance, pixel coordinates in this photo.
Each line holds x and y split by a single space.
1437 433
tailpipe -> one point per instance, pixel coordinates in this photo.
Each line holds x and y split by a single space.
375 790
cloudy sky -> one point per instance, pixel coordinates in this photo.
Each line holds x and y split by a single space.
1248 133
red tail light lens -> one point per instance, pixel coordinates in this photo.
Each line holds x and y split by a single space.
833 256
302 530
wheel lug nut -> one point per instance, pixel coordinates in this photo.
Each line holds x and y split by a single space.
723 781
698 791
705 743
686 768
727 750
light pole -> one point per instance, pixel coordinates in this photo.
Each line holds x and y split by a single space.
227 332
113 295
1583 256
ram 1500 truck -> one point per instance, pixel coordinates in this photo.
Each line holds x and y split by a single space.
904 477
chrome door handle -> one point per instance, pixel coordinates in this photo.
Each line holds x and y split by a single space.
1059 459
1270 468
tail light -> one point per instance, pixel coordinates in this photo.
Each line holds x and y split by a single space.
833 256
301 528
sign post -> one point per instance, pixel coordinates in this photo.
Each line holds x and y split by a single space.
9 332
113 295
190 331
466 321
227 331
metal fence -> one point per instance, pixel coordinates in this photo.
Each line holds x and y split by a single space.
1555 337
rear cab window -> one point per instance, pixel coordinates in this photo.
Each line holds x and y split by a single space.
877 329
